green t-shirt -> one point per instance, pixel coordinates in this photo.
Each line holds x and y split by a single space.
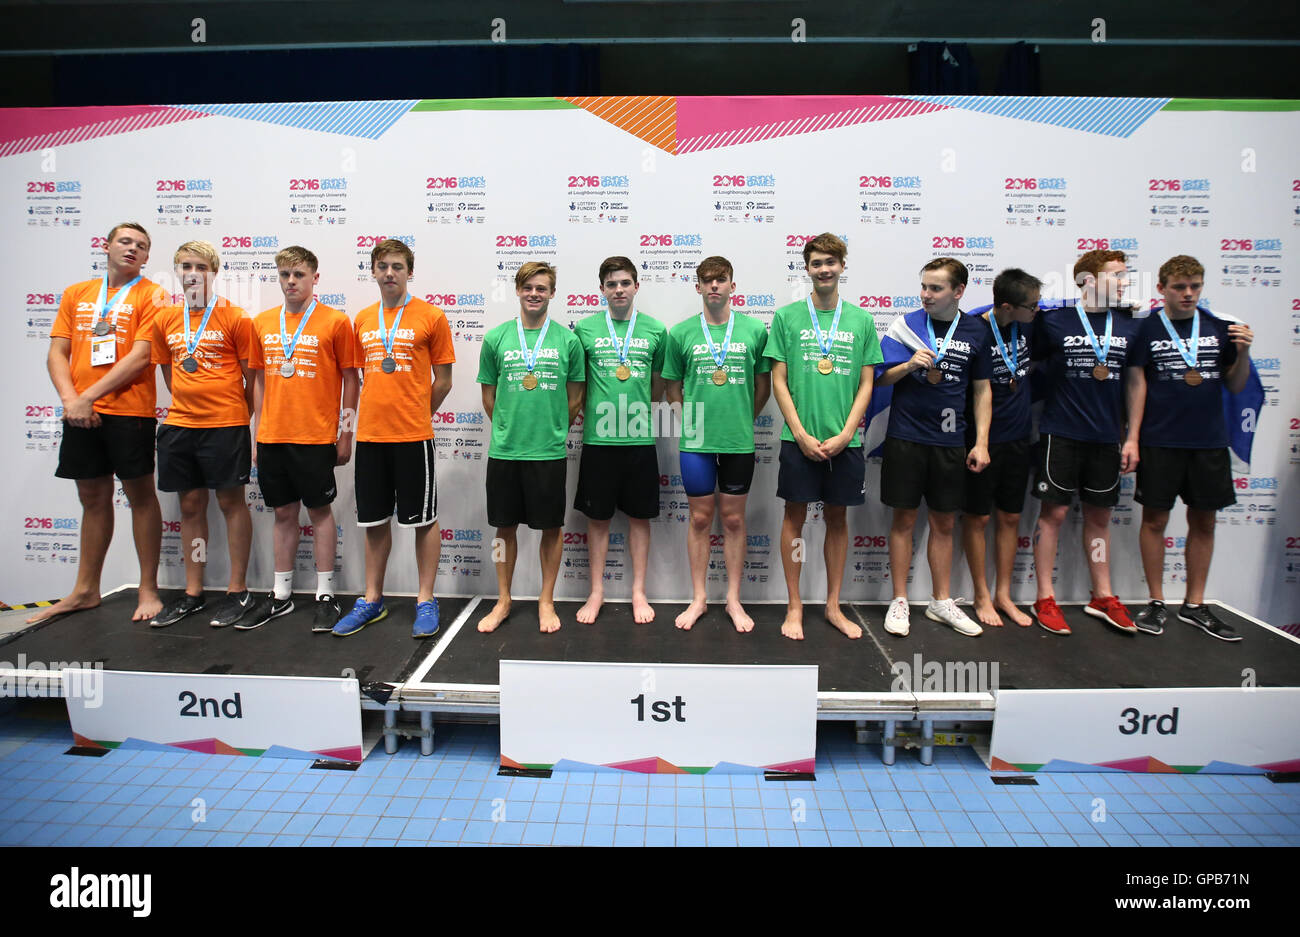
617 413
530 425
823 401
716 418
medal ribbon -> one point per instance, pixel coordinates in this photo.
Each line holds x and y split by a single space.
826 344
1101 351
387 335
100 311
718 356
627 339
1013 359
530 357
286 345
929 327
1193 347
192 345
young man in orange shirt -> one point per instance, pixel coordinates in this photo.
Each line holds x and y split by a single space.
202 345
303 355
99 364
402 342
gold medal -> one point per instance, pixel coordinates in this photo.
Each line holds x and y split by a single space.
720 376
1101 372
530 381
622 372
1192 377
934 375
824 366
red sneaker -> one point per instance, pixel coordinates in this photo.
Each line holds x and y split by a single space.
1049 616
1112 611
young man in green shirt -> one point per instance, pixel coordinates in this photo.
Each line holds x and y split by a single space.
532 378
715 369
823 353
624 351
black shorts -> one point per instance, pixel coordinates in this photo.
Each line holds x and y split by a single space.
397 474
191 457
911 471
703 473
623 477
289 472
841 480
1003 483
120 445
1201 477
1069 465
531 493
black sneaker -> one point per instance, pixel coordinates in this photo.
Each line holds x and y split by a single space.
1203 618
1151 620
174 611
232 608
267 607
328 611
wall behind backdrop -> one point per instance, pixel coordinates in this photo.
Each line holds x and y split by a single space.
478 187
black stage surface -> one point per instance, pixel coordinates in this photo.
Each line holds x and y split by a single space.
1095 656
283 647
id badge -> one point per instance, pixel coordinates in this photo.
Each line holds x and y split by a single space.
103 350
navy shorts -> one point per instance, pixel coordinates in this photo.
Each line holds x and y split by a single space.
841 480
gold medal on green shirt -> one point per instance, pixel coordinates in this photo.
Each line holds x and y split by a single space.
824 366
530 381
622 372
720 376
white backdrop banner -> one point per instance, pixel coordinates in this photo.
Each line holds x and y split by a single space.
478 187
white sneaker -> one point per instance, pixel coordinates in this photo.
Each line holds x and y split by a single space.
947 612
897 620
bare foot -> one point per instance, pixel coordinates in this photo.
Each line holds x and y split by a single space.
985 612
588 613
72 603
493 619
739 618
149 606
792 627
642 613
547 618
1008 608
841 622
692 614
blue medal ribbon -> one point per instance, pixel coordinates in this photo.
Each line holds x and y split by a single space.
826 344
286 345
192 345
718 356
1193 347
940 353
100 311
530 357
627 339
387 335
1012 360
1101 351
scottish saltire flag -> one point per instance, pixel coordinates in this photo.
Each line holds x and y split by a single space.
1241 412
903 338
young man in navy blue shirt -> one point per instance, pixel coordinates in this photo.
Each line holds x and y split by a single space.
1182 359
1085 347
1003 483
925 456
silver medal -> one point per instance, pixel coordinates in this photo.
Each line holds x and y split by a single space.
102 327
389 365
190 365
286 369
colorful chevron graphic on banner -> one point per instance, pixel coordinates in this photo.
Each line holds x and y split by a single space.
214 746
1146 765
1115 117
661 766
366 119
653 119
39 128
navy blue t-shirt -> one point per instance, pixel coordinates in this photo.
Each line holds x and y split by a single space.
1078 405
1011 418
935 414
1178 415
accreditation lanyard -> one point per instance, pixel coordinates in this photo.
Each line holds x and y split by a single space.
1193 346
941 351
530 357
101 310
1102 351
627 339
827 342
719 355
192 344
287 344
387 335
1013 359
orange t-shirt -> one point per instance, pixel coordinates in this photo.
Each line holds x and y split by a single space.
302 409
395 407
132 320
214 394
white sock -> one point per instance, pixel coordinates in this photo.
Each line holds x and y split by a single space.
324 584
283 584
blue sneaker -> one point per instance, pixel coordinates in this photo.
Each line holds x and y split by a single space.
362 614
426 619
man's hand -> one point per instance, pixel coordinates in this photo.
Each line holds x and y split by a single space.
835 445
1128 457
344 449
922 359
78 411
1241 336
977 460
810 447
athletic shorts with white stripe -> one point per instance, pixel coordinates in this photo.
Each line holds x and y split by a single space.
397 474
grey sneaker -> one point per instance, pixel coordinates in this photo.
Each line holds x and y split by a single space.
946 612
1151 620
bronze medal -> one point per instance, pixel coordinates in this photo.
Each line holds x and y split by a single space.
622 372
824 366
1192 377
530 381
934 375
1101 372
1011 385
720 376
388 365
